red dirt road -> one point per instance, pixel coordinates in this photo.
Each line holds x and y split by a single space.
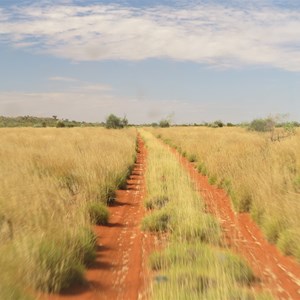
120 270
277 273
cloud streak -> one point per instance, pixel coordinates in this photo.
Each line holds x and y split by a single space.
213 34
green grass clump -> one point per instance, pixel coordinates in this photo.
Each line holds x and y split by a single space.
157 221
194 270
241 201
289 241
99 213
192 158
56 266
202 169
203 227
156 202
85 242
272 229
212 179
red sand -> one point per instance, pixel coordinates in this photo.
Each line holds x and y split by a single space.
120 270
277 273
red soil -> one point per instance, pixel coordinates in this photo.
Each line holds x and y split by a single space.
277 273
120 270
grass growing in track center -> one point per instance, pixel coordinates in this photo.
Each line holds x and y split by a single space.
54 184
262 177
193 264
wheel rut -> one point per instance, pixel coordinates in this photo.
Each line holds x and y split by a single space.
120 269
275 272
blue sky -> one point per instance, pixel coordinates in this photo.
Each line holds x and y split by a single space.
195 60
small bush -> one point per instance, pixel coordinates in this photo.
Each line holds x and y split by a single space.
60 124
272 229
164 123
157 221
202 169
236 266
257 214
157 202
192 158
289 242
57 266
242 202
99 213
87 241
262 125
212 179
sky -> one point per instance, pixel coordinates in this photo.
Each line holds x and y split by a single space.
191 61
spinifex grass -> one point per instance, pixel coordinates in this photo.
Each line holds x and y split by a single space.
261 176
53 186
193 265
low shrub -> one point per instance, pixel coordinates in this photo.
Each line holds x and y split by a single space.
156 202
192 158
272 228
86 245
156 221
237 266
289 242
241 201
202 169
57 266
212 179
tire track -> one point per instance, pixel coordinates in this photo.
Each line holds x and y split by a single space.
275 272
120 270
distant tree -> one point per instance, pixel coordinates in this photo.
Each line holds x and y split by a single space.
60 124
278 130
230 124
262 125
112 121
164 123
54 117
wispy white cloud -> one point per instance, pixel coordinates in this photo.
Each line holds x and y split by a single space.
217 35
63 79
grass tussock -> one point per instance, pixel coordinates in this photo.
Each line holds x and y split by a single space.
262 177
193 264
54 185
99 213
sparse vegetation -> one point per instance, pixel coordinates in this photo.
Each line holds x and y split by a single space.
261 177
193 265
39 122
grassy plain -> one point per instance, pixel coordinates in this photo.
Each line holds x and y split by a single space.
193 264
52 183
261 176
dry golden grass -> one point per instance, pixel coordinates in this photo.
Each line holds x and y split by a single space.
48 178
261 176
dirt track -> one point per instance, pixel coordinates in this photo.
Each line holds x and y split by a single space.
277 273
120 270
